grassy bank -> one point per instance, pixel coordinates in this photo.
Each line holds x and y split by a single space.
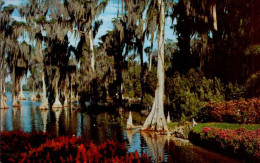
232 126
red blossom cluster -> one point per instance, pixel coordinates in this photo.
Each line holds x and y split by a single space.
236 111
239 139
62 149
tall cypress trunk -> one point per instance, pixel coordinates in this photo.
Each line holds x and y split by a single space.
21 95
44 104
214 15
203 53
156 119
93 81
57 103
1 101
33 97
71 90
91 44
150 55
44 100
65 104
3 84
15 88
119 84
140 51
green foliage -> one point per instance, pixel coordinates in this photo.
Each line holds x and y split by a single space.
148 101
131 79
172 125
131 94
18 23
41 20
253 50
190 93
235 91
151 81
25 87
9 9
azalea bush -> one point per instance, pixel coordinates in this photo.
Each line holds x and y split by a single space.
23 147
235 111
240 140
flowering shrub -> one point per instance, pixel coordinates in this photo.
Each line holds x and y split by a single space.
236 111
240 139
24 148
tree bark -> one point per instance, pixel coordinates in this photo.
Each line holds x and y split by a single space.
44 104
33 97
91 44
21 96
140 50
203 53
3 104
150 55
168 118
214 15
65 104
156 119
15 89
129 124
57 103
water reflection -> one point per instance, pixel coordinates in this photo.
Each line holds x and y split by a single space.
3 115
57 112
156 143
98 128
44 117
17 118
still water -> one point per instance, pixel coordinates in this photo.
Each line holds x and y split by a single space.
99 128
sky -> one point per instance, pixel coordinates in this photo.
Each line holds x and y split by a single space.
109 13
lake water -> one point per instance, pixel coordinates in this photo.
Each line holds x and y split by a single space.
99 128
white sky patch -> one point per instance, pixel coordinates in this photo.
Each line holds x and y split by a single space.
12 2
18 18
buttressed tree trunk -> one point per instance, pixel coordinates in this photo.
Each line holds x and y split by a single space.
65 95
44 104
21 95
129 124
156 119
15 89
57 103
3 104
33 97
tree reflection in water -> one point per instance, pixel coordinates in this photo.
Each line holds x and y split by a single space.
129 134
2 120
156 143
154 140
57 112
17 118
44 117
